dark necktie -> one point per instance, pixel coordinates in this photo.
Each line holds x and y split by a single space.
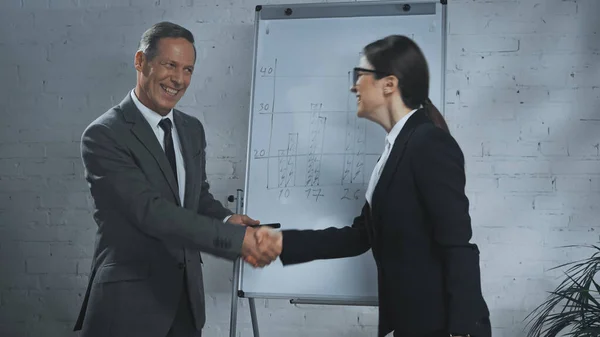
167 126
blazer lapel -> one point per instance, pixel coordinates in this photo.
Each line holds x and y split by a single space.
142 130
394 159
186 151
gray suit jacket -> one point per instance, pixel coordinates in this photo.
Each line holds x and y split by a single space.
145 239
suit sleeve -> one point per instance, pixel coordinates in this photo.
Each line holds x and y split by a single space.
301 246
440 177
208 205
114 176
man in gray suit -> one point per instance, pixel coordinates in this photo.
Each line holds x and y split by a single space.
145 165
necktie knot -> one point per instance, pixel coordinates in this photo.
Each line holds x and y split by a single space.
166 125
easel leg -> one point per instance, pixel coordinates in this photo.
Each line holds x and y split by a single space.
237 266
234 298
253 317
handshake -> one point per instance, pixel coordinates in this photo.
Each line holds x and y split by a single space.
261 246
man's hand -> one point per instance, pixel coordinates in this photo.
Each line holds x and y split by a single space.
240 219
261 246
269 240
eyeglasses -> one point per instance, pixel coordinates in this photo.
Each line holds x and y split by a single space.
356 72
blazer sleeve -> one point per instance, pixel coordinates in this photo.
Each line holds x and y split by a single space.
301 246
208 205
112 173
440 177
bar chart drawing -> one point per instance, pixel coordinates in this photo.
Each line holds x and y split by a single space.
311 143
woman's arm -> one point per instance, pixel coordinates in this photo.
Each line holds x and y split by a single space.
307 245
440 177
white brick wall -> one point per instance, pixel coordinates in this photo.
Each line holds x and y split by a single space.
523 100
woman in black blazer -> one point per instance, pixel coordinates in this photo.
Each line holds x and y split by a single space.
416 218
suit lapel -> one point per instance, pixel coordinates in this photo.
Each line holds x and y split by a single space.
143 132
186 151
394 159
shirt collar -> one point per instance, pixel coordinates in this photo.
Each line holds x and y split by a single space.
151 116
395 131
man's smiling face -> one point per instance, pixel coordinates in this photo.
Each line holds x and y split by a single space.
163 79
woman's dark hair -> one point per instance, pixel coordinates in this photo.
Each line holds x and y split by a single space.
400 56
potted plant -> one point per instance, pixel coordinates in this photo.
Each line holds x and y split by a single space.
573 308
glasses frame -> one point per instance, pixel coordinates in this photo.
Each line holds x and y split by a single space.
356 75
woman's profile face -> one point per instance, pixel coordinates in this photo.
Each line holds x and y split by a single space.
368 90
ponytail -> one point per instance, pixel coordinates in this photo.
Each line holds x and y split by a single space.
434 115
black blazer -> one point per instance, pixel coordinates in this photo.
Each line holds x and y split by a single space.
419 230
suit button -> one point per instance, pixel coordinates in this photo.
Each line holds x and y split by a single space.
181 265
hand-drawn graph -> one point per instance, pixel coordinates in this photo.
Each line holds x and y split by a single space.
314 141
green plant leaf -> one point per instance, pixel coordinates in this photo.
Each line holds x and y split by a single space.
574 303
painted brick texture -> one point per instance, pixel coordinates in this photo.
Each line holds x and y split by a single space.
523 100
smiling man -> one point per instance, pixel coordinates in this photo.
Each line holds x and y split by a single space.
145 164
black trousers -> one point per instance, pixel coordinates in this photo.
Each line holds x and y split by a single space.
183 324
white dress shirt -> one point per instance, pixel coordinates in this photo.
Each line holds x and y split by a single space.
153 119
390 138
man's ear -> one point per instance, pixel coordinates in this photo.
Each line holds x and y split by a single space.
139 60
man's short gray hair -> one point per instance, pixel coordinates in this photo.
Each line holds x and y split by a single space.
149 42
